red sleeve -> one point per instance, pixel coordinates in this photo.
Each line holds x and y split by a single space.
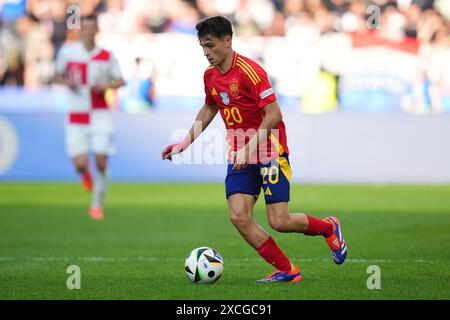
209 100
261 88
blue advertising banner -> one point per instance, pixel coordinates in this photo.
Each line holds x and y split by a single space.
32 148
337 148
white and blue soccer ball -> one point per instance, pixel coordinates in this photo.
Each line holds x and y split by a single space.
204 265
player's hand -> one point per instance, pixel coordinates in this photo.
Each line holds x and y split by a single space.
72 85
173 149
168 152
242 159
99 88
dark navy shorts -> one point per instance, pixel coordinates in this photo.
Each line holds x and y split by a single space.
273 177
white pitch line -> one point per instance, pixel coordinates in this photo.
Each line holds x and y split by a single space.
236 260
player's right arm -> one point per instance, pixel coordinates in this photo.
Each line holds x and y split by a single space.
61 70
202 121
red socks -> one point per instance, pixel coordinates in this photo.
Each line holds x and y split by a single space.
318 227
86 181
274 256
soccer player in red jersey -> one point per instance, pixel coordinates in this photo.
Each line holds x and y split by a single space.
238 88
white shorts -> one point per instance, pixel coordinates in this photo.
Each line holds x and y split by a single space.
83 139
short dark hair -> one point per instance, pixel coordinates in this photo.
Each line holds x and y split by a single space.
217 26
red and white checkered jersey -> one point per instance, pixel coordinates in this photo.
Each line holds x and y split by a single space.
86 68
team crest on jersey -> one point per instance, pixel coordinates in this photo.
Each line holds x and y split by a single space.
234 87
225 98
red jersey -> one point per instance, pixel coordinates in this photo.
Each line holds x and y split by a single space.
241 93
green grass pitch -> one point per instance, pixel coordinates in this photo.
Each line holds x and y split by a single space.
138 251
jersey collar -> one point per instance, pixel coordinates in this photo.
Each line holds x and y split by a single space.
235 56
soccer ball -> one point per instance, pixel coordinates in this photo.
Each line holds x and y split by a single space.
204 265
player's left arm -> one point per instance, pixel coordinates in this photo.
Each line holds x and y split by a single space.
272 117
271 120
112 84
114 77
265 99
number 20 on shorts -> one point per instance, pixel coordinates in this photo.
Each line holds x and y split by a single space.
270 175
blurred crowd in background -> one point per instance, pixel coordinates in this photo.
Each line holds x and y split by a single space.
32 31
